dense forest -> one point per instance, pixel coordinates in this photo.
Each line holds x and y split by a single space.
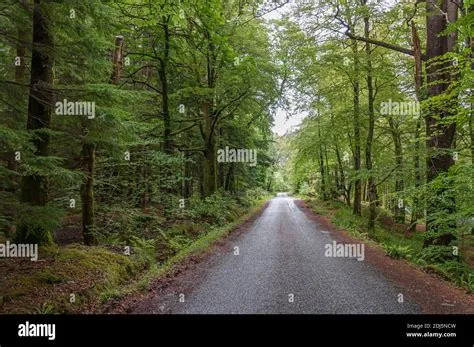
131 130
389 131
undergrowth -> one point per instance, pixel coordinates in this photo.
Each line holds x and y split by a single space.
134 248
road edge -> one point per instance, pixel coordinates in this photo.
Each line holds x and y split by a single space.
185 262
413 282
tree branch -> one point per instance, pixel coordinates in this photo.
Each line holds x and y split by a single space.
385 45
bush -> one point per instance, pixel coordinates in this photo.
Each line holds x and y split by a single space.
216 209
121 224
454 271
178 242
144 251
345 219
398 252
252 196
189 228
36 225
436 254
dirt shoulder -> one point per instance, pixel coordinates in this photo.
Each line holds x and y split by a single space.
433 294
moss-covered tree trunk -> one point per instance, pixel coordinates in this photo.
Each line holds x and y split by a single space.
163 74
399 210
187 184
371 187
440 130
229 180
210 167
420 94
117 61
357 207
322 169
210 120
88 160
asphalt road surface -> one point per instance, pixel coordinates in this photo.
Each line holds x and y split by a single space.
281 268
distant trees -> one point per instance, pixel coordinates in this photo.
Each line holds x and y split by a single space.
395 183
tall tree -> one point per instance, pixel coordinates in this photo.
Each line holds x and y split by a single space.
372 188
34 188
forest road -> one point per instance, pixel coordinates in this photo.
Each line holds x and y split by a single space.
282 267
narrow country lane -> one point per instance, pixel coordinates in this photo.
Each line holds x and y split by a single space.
282 268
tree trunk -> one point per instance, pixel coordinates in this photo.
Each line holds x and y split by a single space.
117 68
471 132
228 187
418 179
34 188
420 94
357 208
440 131
372 189
322 171
399 182
209 159
88 158
20 72
210 168
470 42
329 189
323 174
167 148
187 178
345 188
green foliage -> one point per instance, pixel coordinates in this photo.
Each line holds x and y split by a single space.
252 196
36 224
48 277
120 224
45 308
454 271
132 169
437 254
216 209
398 252
345 219
143 251
189 228
202 75
176 242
